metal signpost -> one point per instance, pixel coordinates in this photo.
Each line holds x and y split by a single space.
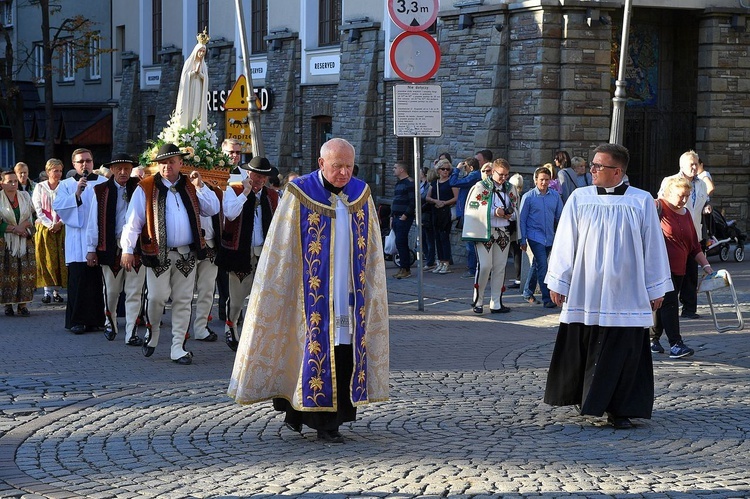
415 57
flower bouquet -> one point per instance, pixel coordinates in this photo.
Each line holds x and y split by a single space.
203 153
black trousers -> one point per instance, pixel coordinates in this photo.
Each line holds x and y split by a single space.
329 421
85 305
689 287
667 318
222 285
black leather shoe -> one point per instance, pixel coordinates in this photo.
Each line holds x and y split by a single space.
135 341
690 316
109 332
147 350
78 329
331 437
478 310
619 423
47 299
502 310
231 340
211 336
297 428
57 298
185 360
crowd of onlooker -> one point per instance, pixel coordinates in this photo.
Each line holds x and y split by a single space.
497 217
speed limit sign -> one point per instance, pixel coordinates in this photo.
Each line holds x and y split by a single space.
413 15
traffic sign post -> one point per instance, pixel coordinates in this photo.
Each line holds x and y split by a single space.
236 116
413 15
415 57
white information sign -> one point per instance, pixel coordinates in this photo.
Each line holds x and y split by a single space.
417 110
413 15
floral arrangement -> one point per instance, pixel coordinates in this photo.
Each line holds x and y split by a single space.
201 145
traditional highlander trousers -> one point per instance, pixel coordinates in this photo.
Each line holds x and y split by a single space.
167 217
487 214
17 260
105 225
314 339
247 219
205 275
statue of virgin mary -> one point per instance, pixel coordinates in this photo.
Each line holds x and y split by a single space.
192 97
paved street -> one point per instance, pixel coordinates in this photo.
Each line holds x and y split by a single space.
83 417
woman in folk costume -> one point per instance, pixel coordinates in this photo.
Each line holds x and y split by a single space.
191 96
17 265
315 336
490 208
49 241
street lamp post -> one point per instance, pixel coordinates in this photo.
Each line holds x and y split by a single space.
256 140
620 98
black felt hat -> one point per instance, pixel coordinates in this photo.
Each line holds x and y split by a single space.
167 151
121 158
258 165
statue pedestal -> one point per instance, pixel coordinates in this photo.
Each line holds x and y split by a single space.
218 177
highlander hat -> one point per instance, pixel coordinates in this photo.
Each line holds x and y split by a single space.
121 158
258 165
167 151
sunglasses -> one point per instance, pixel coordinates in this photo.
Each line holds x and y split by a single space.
444 169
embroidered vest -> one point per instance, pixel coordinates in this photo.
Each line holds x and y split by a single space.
153 236
106 200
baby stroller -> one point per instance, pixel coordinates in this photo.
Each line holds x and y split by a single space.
724 234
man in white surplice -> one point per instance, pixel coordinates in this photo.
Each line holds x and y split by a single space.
609 270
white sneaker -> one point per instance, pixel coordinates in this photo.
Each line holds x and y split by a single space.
445 269
438 268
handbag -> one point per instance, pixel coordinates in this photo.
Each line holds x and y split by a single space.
389 248
512 224
453 206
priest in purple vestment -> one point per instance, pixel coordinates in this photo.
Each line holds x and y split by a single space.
315 337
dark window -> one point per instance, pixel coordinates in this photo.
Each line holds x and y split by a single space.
322 132
405 149
150 127
259 26
329 20
156 27
202 15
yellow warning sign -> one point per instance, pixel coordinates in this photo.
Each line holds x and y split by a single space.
238 96
238 127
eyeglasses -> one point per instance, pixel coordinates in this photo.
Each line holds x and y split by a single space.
501 174
233 153
595 167
444 169
83 161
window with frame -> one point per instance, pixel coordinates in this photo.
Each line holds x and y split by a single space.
95 58
39 62
202 15
329 20
68 62
259 26
6 13
156 11
322 133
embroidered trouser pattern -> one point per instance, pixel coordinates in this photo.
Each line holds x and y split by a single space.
178 282
132 284
491 259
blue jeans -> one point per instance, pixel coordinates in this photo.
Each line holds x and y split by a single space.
538 271
428 243
401 229
471 256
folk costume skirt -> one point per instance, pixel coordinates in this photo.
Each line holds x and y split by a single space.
602 369
50 257
17 275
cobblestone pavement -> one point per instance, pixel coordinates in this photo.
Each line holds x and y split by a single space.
83 417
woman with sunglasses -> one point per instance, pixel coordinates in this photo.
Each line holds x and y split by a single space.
442 196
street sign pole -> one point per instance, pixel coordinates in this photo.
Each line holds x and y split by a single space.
418 218
256 139
415 57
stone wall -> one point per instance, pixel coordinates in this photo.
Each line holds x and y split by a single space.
723 117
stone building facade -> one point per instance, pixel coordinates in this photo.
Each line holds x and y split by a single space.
523 79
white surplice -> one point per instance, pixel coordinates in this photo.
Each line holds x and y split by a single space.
75 216
609 259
